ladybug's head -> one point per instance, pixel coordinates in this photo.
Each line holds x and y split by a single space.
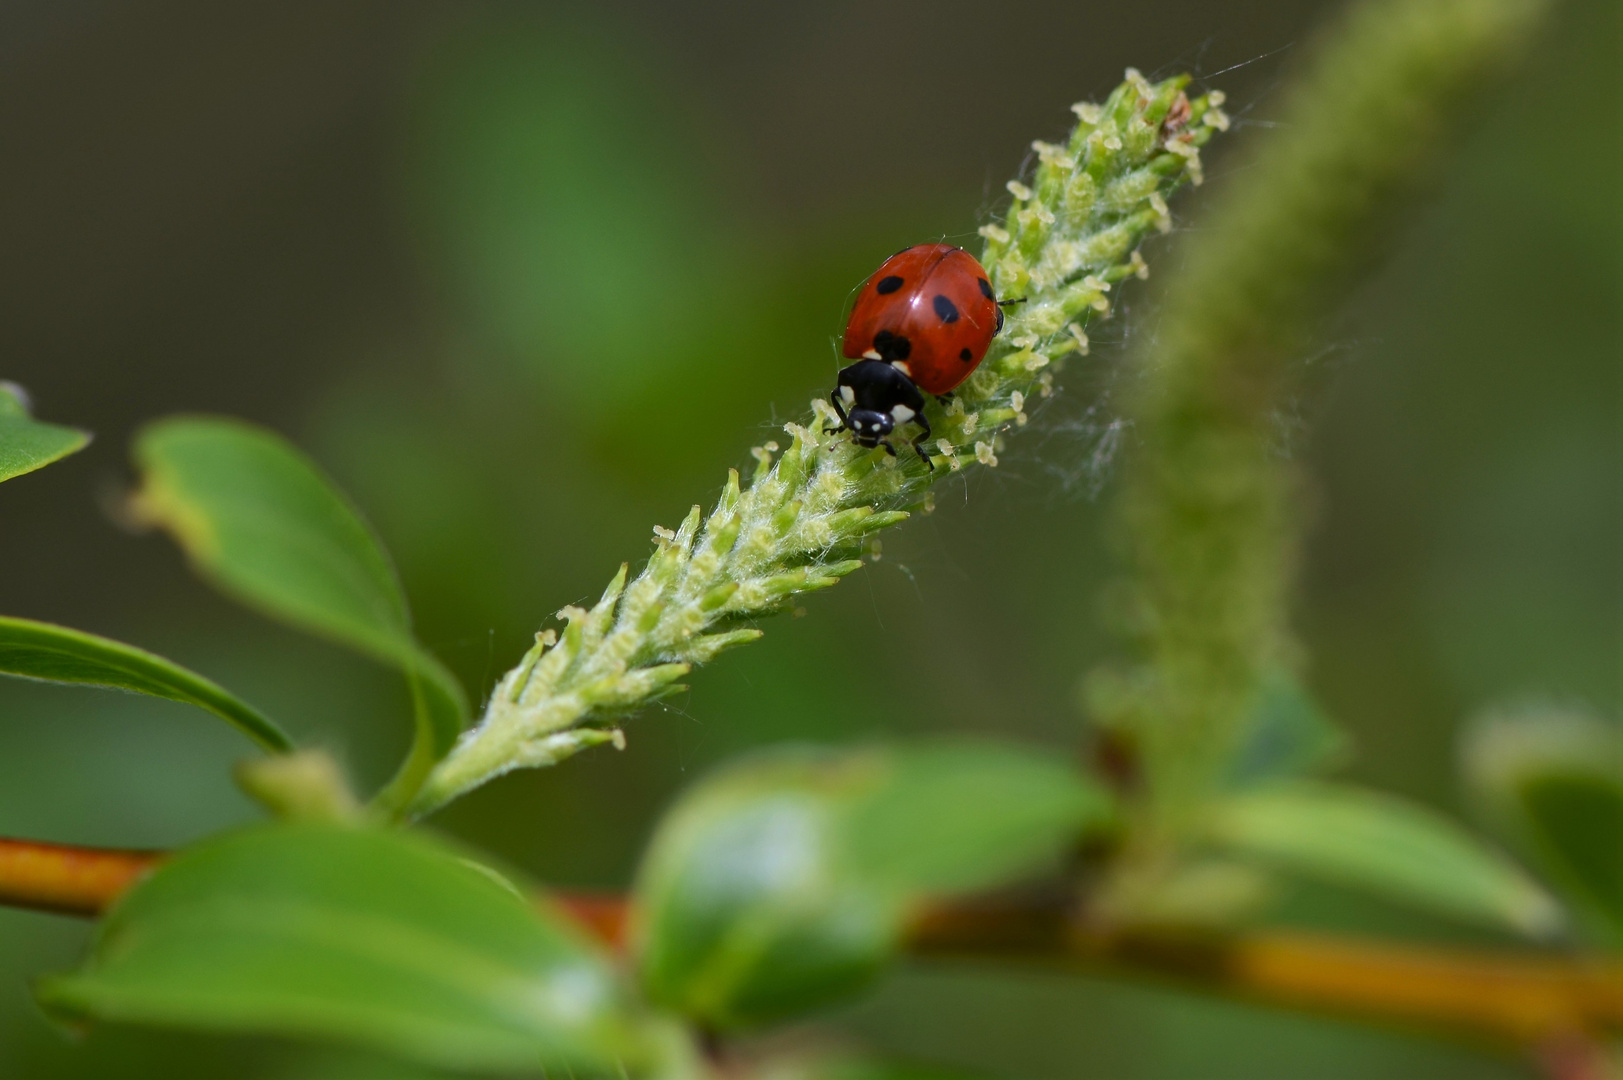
870 425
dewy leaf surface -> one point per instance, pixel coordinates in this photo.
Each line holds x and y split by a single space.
1364 839
262 522
360 935
782 883
36 650
27 444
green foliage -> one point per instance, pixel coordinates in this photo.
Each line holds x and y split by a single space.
262 522
954 817
359 935
27 444
803 518
1363 839
1551 779
1209 506
36 650
783 882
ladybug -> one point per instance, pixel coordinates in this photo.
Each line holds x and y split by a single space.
921 323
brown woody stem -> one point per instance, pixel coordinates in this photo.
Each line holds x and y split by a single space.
1527 998
69 880
1515 996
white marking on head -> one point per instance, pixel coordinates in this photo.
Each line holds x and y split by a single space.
848 395
902 414
901 365
872 354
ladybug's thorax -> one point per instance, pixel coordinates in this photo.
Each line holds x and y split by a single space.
875 397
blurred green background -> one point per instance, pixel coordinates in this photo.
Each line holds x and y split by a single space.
528 278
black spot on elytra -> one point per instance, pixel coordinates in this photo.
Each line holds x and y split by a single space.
965 355
888 285
891 346
945 309
986 288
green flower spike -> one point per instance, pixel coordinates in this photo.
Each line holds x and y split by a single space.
800 525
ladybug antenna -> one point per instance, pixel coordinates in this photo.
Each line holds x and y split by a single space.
1006 303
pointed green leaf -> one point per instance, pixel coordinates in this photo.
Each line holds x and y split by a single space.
1365 839
367 936
783 882
1552 778
264 524
27 444
37 650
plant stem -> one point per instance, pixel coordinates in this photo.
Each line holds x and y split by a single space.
66 879
1516 997
1519 997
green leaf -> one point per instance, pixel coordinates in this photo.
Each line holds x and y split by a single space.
1360 838
1552 779
25 443
37 650
956 817
366 936
783 882
262 522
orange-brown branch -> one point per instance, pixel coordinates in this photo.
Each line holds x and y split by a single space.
1519 996
72 880
1530 998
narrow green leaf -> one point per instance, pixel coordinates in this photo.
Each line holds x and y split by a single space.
782 883
262 522
375 937
37 650
27 444
1365 839
1552 779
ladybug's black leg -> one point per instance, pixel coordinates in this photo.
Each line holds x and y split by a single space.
1001 304
845 422
945 399
889 449
918 443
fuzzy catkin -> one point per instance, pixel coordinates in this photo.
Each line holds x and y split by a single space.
1068 239
1211 513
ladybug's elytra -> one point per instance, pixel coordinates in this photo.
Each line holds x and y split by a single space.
922 322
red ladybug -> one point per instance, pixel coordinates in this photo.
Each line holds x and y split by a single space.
922 322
